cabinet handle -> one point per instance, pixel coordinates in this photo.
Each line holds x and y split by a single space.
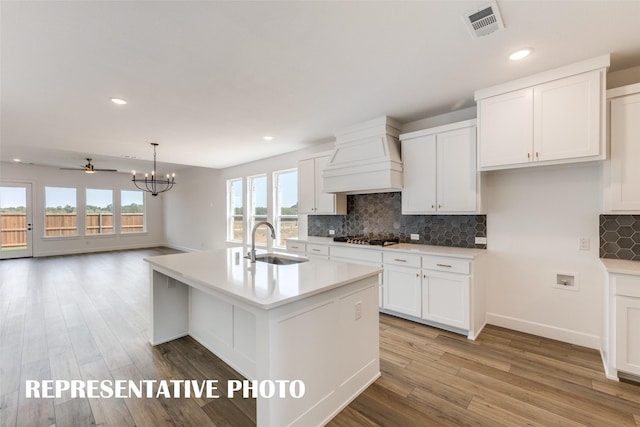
400 260
433 206
528 155
417 275
536 154
424 277
295 247
443 265
315 250
439 206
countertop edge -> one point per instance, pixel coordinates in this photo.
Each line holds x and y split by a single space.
447 251
208 287
621 266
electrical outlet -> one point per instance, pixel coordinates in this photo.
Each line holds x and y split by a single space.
358 310
481 240
332 232
415 237
585 243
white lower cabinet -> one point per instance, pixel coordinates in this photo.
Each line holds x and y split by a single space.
402 290
436 289
445 298
628 334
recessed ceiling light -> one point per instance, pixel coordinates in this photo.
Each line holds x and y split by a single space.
521 53
17 160
267 138
118 101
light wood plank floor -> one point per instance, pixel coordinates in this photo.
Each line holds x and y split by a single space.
86 317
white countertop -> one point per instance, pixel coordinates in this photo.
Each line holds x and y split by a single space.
621 266
469 253
260 284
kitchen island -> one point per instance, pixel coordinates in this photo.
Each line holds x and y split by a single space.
314 321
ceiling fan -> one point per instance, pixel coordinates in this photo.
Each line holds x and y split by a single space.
88 168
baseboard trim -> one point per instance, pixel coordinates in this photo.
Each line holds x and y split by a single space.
546 331
180 248
90 250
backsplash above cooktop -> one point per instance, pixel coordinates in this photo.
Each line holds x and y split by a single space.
381 215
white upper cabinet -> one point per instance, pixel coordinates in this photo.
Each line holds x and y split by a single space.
419 175
624 170
440 170
506 129
550 118
311 198
567 118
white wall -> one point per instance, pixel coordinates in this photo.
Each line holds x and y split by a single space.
196 210
191 210
40 176
535 218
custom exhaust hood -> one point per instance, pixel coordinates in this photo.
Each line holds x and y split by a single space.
366 159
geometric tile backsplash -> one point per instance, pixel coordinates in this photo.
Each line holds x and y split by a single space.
380 215
620 237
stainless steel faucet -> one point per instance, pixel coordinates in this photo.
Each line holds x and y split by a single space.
252 254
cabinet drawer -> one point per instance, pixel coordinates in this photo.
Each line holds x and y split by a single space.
399 258
317 249
627 285
296 247
357 254
452 265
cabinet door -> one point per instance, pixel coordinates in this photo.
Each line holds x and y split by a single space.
625 153
401 291
419 175
306 186
505 129
567 117
445 298
325 202
628 335
456 189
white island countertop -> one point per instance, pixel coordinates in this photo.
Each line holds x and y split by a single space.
449 251
260 284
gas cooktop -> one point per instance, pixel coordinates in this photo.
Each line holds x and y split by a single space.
362 240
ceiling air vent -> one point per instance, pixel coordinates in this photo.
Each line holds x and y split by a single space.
484 21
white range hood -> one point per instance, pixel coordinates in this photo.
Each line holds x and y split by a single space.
366 159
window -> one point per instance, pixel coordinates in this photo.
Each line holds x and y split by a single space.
61 216
99 212
257 186
286 202
131 211
235 218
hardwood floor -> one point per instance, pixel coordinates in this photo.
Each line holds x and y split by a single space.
86 317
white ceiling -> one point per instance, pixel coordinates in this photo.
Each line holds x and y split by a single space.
207 80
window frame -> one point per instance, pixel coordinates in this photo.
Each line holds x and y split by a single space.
231 215
251 201
86 213
78 217
277 215
144 214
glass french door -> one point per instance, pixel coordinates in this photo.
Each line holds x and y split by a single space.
16 222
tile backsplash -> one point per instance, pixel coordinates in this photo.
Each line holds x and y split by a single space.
620 237
381 215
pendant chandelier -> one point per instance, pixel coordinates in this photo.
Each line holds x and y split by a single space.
154 185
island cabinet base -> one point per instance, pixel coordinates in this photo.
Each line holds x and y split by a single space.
329 341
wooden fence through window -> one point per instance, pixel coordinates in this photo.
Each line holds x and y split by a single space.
14 226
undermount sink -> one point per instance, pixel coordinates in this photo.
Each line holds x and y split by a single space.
279 259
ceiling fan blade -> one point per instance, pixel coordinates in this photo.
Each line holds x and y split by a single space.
105 170
72 169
